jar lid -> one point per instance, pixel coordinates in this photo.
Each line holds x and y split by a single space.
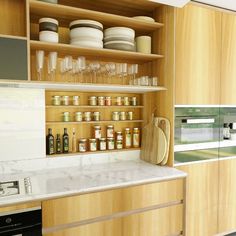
87 112
127 129
134 97
92 97
118 132
102 139
86 23
108 97
115 112
92 140
110 126
76 96
96 112
56 96
97 127
66 113
136 129
119 141
51 20
110 139
83 140
65 96
101 97
78 112
118 97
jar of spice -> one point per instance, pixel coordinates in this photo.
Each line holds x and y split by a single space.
136 137
96 116
119 135
110 143
126 101
93 101
87 116
102 144
110 131
92 144
119 144
78 116
76 100
66 116
130 115
108 101
83 145
133 101
115 115
122 115
128 141
56 100
65 100
118 101
101 101
97 131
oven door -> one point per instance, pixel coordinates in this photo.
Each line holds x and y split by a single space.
33 230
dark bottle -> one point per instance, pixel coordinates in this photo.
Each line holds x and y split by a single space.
58 144
65 139
50 143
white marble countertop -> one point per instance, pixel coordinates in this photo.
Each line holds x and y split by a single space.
61 182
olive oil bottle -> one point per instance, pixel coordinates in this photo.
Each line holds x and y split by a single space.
50 143
58 144
65 141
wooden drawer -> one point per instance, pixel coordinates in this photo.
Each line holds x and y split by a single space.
87 206
161 222
20 207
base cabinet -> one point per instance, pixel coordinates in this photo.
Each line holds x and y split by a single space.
201 199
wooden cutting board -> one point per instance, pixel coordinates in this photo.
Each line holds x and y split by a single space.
154 143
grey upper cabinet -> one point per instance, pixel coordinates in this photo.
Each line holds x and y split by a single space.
13 59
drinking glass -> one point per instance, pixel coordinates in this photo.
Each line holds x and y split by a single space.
94 68
81 64
39 63
52 65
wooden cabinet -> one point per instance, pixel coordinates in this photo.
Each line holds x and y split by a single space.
228 56
227 195
156 209
201 199
198 55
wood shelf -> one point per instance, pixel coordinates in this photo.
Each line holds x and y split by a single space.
92 122
95 53
96 107
80 87
89 152
66 14
12 37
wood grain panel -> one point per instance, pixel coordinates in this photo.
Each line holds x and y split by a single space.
201 199
20 207
77 208
228 64
198 55
165 221
13 17
227 195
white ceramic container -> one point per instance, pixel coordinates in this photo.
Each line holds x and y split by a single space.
48 36
119 31
144 44
86 32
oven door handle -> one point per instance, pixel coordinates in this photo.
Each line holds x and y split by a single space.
199 121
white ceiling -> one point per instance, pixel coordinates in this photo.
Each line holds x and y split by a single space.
227 4
174 3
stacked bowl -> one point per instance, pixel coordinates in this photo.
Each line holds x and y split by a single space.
86 33
121 38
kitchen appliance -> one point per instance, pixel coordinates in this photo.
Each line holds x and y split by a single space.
197 133
23 223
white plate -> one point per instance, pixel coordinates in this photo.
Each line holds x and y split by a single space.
87 44
119 42
91 22
144 18
86 32
119 31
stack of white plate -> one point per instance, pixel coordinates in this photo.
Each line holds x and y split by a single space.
86 33
121 38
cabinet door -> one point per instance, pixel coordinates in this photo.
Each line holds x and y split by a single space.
228 66
198 48
227 195
202 199
160 222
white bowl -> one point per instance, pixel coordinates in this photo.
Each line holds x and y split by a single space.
87 44
85 22
119 31
120 45
86 32
118 38
48 36
144 18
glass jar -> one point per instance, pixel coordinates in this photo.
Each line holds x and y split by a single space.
115 115
96 116
119 135
101 101
83 145
122 115
78 116
56 100
93 101
130 115
76 100
118 101
108 101
66 116
110 144
87 116
133 101
119 144
126 101
97 131
136 137
110 131
65 100
92 144
128 140
102 144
